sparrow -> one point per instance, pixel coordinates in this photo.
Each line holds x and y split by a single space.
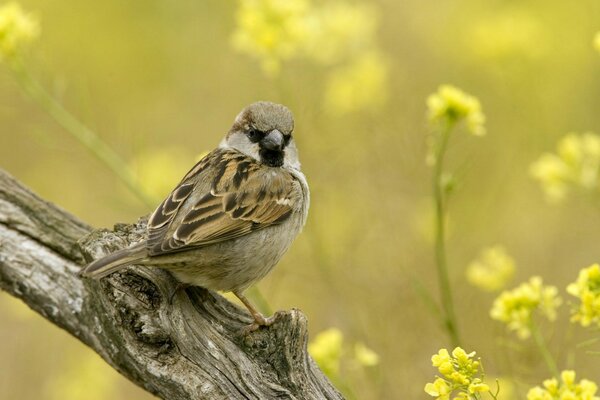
233 215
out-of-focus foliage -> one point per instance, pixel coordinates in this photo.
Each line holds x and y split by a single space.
161 82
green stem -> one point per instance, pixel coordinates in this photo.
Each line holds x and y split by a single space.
543 348
440 238
84 135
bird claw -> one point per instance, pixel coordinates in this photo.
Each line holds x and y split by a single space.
259 321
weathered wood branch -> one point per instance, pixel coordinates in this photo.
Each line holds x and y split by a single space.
175 344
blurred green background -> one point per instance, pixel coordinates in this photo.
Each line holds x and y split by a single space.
162 81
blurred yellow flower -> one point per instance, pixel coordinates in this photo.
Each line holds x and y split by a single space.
492 270
326 350
568 389
271 30
460 372
516 307
275 31
359 85
587 289
365 356
17 28
597 42
339 30
450 104
576 164
338 34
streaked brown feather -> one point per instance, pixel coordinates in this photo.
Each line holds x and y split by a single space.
241 197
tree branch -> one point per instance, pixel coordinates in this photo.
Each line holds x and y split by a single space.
175 344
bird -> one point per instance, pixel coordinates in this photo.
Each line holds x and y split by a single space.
233 215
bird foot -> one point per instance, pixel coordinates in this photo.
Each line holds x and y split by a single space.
259 320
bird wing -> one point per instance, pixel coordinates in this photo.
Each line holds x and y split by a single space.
225 196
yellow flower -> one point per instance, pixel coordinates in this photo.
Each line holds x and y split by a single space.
567 389
492 270
461 373
477 386
16 29
271 30
359 85
576 164
516 307
440 389
587 289
450 104
365 356
597 42
326 349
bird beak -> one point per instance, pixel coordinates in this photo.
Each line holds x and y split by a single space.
273 141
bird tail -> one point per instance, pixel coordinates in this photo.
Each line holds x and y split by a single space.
115 261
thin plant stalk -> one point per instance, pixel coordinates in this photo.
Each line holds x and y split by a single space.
440 236
84 135
543 348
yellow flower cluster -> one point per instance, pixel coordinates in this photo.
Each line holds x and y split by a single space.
516 307
587 289
460 373
492 270
334 34
16 29
597 42
565 390
450 105
576 164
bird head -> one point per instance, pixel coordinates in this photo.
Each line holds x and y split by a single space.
263 131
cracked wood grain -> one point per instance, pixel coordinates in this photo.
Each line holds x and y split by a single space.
176 344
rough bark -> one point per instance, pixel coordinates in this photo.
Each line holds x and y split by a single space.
176 344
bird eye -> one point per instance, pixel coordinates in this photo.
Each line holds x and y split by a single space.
255 135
